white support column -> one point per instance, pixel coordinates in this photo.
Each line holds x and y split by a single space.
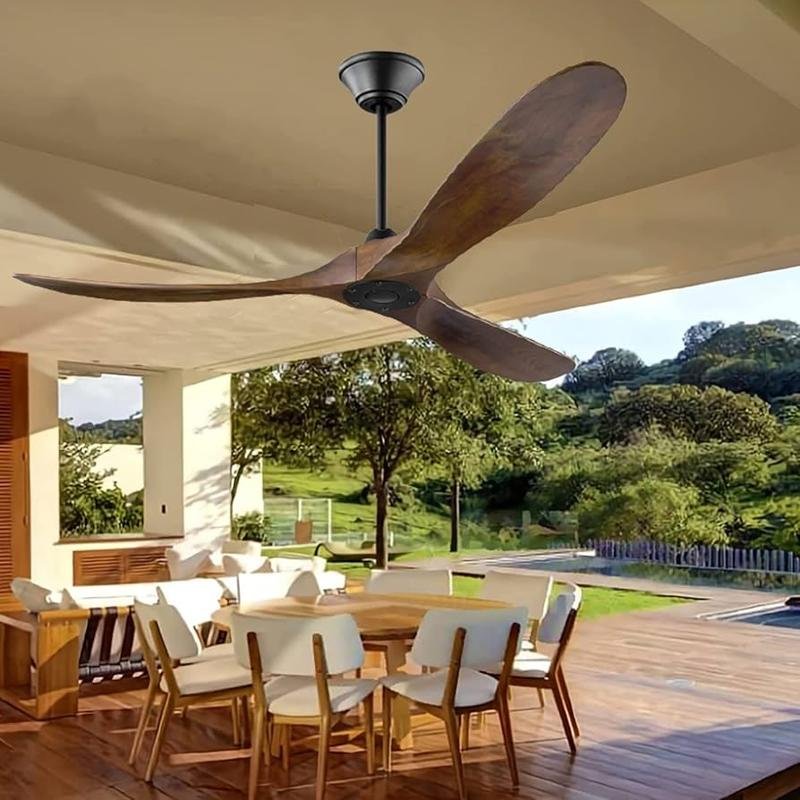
187 455
50 566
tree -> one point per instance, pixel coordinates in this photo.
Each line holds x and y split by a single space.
604 369
489 423
289 414
700 415
87 507
393 400
696 336
653 509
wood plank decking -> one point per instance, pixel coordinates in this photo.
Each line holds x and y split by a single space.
671 708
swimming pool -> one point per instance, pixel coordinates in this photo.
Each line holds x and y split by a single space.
693 576
778 615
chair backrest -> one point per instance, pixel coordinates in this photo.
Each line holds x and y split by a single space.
241 547
410 581
258 587
297 563
487 635
179 638
563 607
236 563
185 561
286 643
531 590
195 599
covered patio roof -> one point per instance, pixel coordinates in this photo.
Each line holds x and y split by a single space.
171 143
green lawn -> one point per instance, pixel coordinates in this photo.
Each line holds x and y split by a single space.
597 601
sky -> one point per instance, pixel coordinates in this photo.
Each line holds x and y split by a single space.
651 325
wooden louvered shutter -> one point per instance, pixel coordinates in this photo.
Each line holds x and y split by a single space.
14 515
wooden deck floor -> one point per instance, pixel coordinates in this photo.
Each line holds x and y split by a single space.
671 708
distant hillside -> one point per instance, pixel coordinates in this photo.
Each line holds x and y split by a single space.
112 431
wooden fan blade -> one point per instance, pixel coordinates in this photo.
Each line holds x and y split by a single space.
484 344
323 281
538 142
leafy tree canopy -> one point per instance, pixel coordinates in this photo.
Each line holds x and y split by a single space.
699 415
603 370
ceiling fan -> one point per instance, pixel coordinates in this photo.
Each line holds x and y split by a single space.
536 144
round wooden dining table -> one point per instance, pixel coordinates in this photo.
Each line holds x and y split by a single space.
386 621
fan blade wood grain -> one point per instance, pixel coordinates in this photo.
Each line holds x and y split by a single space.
324 281
484 344
519 161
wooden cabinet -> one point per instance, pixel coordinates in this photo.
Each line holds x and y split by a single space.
14 495
119 565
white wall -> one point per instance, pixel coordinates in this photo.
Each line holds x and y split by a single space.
125 465
50 565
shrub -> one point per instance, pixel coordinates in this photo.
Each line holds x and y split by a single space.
252 527
652 508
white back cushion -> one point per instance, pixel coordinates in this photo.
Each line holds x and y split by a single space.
186 561
292 564
180 640
485 643
35 597
234 563
286 643
410 581
241 547
552 628
196 599
260 587
531 590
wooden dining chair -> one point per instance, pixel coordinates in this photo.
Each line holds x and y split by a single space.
296 667
456 643
541 671
518 588
186 678
142 617
260 587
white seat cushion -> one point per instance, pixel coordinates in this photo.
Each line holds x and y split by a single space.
210 675
331 581
528 664
214 651
473 688
296 696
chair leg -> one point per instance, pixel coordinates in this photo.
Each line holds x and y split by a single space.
322 758
256 751
504 716
286 748
451 725
568 702
236 722
565 720
541 696
369 733
244 705
167 709
387 731
269 733
144 715
464 721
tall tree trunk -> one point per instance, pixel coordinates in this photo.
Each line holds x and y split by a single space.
381 517
237 476
455 514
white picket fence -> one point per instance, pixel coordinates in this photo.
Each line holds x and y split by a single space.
700 556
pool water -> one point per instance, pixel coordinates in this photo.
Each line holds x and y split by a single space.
692 576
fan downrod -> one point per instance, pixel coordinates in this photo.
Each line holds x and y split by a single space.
381 83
